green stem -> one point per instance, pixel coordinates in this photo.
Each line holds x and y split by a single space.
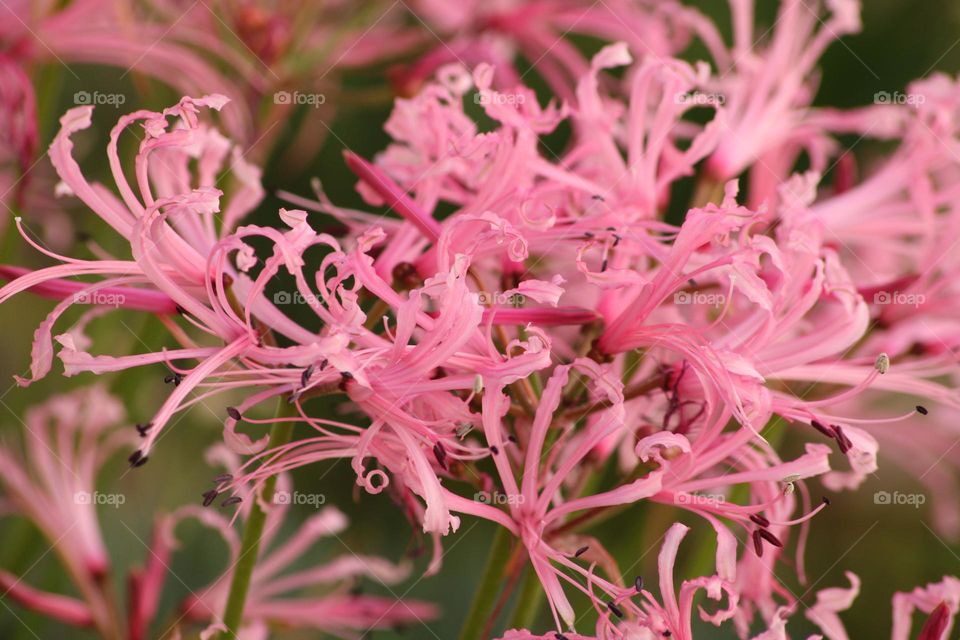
280 435
528 604
486 595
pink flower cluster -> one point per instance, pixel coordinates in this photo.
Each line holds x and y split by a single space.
541 337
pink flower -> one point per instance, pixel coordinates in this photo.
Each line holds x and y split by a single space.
767 88
940 599
52 483
787 310
533 317
67 441
17 106
485 32
172 230
280 574
98 32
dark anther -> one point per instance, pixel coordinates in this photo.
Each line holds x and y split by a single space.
345 377
638 583
137 459
760 520
142 429
825 500
819 426
922 410
305 376
842 440
614 609
233 413
581 551
440 454
209 497
758 543
769 537
231 501
223 477
494 449
175 378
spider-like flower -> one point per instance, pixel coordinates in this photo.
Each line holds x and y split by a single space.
53 484
172 228
280 576
547 336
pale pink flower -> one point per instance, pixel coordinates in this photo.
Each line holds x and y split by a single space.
108 33
280 575
497 32
67 441
672 615
172 227
260 54
767 82
52 482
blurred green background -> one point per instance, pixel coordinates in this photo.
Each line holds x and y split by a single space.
891 547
